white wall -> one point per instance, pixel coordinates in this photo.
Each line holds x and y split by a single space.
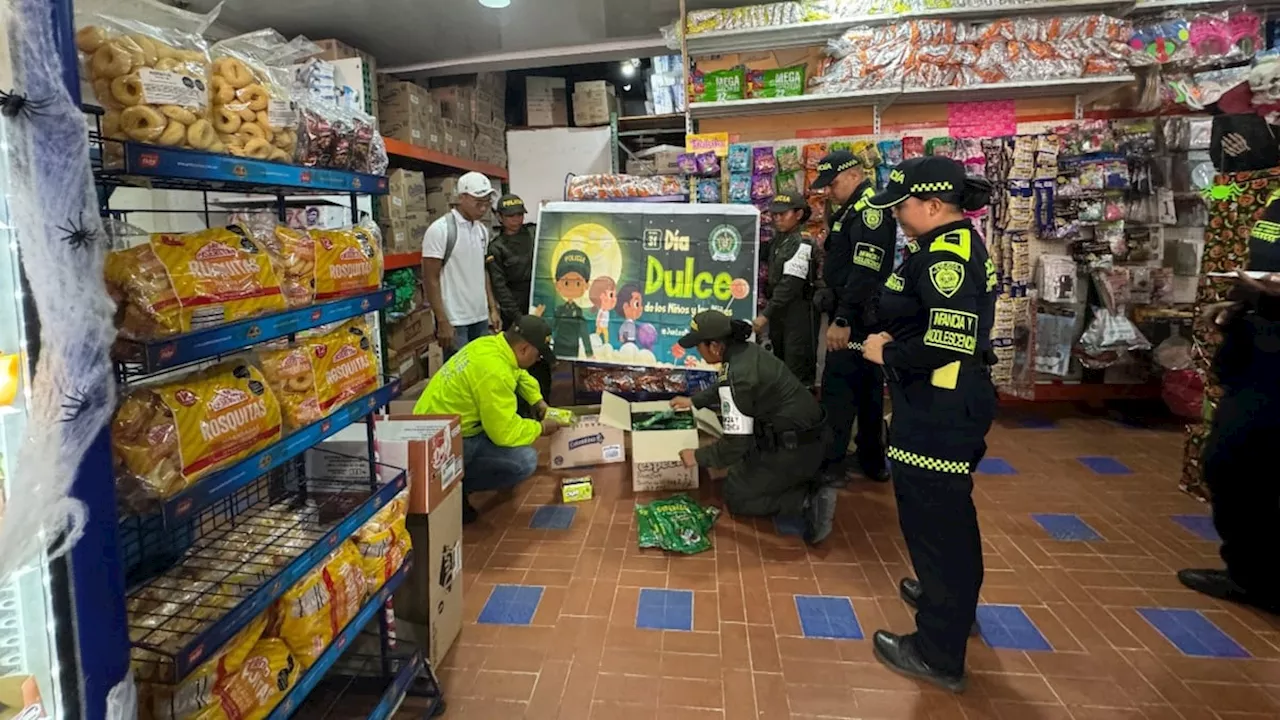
539 160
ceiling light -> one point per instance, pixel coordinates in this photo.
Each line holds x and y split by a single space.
628 69
495 4
626 88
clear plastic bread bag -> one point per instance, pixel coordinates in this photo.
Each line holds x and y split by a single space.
348 260
149 68
252 110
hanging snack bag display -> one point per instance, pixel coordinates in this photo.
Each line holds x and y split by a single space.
291 375
348 261
319 606
165 437
293 255
252 111
152 81
384 543
178 283
345 366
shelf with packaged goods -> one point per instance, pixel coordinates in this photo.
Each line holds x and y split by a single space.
224 483
402 154
140 358
1089 88
239 567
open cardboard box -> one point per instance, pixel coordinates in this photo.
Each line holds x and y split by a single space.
655 454
588 441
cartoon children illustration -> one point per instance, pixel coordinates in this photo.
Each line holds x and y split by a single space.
568 325
632 301
604 298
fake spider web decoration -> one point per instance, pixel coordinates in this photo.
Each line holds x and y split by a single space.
53 211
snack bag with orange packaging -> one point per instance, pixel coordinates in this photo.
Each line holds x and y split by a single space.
317 607
268 674
344 363
196 691
177 283
291 375
384 542
348 261
165 437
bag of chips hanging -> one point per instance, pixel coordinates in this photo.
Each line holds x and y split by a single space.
178 283
292 377
348 261
196 691
313 611
345 366
268 674
165 437
384 542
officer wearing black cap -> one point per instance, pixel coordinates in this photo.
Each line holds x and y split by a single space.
510 265
860 248
1244 495
573 272
773 428
789 312
937 310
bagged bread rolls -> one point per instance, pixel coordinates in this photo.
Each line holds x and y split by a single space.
348 261
319 606
293 255
344 362
196 691
292 376
252 111
174 284
165 437
383 542
267 675
151 80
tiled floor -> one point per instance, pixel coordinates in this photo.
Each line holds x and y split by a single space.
1083 528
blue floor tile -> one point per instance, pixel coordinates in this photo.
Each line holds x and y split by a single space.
511 605
788 524
824 616
553 517
665 609
1008 627
1036 423
1105 465
1065 527
1192 633
996 466
1199 525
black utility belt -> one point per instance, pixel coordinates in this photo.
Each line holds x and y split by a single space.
769 441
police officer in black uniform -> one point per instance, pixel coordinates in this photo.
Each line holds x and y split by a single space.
510 265
1244 495
860 250
789 313
937 310
773 428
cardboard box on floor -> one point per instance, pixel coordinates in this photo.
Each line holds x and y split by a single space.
655 454
587 442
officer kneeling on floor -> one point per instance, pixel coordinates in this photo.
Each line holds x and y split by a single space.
937 310
773 429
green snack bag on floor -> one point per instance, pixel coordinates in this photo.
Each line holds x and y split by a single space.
646 530
677 524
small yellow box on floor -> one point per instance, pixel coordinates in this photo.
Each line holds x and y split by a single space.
576 489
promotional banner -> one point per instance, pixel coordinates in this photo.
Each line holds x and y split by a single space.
619 282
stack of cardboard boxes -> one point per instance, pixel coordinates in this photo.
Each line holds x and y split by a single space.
593 103
357 70
546 102
403 213
490 118
408 113
465 119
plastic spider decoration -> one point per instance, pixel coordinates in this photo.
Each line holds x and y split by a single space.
74 404
1219 193
78 234
14 103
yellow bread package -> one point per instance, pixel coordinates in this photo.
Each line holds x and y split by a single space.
153 82
384 542
177 283
291 375
348 261
166 436
196 691
268 674
313 611
252 111
345 365
293 255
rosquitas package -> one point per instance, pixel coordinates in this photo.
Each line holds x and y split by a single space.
313 611
344 363
348 261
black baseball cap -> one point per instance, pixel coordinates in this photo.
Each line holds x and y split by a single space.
831 165
706 326
511 205
535 331
783 202
932 175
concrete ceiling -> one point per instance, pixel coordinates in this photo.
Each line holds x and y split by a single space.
407 32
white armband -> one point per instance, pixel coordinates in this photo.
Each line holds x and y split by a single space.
798 265
734 422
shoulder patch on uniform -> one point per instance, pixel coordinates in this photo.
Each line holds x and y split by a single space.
913 247
868 256
799 263
731 416
957 242
872 217
947 276
895 283
488 258
992 279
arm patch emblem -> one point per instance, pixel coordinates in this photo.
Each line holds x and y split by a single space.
872 217
947 276
868 256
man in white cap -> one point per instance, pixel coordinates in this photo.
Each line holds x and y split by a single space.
453 270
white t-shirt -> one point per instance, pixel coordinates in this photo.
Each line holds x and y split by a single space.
462 278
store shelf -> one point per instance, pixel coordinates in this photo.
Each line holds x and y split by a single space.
1090 88
818 33
144 358
651 125
289 201
414 155
361 676
277 543
223 483
402 260
164 168
341 642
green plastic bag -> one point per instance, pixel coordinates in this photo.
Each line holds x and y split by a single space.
677 524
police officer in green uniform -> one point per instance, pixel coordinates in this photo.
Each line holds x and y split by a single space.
1244 495
789 313
937 310
773 428
573 272
510 265
860 248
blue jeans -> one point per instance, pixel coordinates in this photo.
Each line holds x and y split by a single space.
463 334
489 467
